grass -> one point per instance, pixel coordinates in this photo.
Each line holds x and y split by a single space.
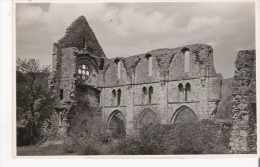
36 150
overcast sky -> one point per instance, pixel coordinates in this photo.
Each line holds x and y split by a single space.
125 29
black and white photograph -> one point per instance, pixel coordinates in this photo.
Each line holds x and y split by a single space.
134 78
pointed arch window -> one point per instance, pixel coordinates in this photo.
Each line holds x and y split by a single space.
150 94
144 95
118 62
150 61
186 53
119 69
180 92
113 97
187 91
118 97
187 61
150 66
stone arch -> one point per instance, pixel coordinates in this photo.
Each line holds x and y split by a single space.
147 117
184 114
87 59
116 124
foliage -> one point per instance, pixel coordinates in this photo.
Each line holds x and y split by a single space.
33 101
179 138
204 137
87 142
163 139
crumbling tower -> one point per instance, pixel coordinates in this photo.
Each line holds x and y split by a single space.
243 134
76 61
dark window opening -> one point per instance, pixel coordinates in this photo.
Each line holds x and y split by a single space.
150 94
180 92
144 95
148 56
102 64
84 42
187 90
117 61
113 97
118 97
150 61
180 86
61 94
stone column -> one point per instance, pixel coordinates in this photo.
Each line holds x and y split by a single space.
130 110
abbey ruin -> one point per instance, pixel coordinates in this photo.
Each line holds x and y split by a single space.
163 86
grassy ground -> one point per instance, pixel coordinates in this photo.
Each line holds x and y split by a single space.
36 150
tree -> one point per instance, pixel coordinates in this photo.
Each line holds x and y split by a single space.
33 100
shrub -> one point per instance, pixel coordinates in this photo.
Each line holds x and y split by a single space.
80 146
193 138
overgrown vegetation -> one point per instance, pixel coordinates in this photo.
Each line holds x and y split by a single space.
194 138
34 102
37 122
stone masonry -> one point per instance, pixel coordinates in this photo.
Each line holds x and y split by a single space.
161 86
243 134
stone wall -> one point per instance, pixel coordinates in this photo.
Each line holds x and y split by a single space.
79 44
165 99
80 35
159 71
243 134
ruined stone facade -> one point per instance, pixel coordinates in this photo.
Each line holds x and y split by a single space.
161 86
243 134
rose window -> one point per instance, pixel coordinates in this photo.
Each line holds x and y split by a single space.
84 72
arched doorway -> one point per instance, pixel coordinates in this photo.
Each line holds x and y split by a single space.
116 125
147 117
184 115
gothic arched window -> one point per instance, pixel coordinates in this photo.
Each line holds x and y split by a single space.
118 63
150 60
150 94
144 95
180 92
187 61
187 91
118 97
113 97
186 53
84 72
